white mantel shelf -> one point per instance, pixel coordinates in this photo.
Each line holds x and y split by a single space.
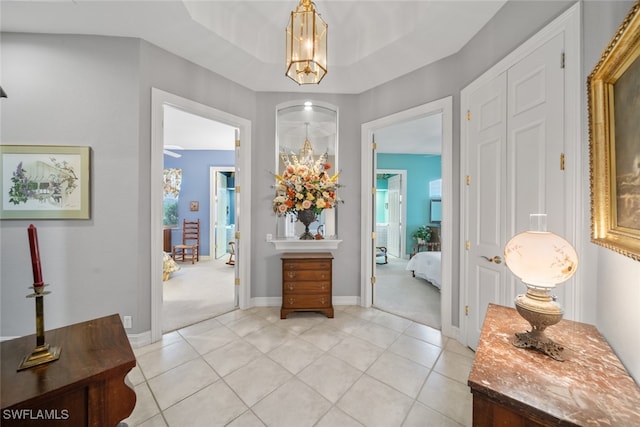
305 245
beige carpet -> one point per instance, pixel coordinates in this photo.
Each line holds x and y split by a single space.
197 292
397 292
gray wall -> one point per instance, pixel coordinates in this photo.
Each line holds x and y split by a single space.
66 90
614 280
95 91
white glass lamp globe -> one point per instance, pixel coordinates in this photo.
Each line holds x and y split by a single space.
541 258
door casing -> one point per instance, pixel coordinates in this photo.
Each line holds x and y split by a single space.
444 106
159 98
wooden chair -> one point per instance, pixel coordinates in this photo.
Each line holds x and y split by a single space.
190 242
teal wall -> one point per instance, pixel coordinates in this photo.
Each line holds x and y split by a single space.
420 170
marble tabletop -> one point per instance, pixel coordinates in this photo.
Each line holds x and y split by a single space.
590 388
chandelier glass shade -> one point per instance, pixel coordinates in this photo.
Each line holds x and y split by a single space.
306 54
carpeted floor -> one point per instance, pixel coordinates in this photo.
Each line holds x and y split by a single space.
397 292
197 292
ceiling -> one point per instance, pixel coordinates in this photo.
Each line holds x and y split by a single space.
370 41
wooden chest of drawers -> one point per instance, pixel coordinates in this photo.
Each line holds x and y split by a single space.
306 283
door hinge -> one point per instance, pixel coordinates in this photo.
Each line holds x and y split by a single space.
374 146
373 235
373 191
237 189
237 281
562 60
466 310
468 115
373 280
237 143
237 235
468 179
561 161
467 245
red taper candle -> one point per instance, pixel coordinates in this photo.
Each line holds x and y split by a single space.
35 256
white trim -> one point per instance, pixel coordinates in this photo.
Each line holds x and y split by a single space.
443 106
277 301
568 24
243 179
139 340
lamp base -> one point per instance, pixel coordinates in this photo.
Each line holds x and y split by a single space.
540 310
538 341
40 355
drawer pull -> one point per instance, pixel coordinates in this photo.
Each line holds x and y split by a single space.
322 300
292 275
290 286
322 286
291 300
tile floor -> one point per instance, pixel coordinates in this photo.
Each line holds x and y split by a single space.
248 368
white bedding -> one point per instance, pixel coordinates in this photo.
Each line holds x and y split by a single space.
426 265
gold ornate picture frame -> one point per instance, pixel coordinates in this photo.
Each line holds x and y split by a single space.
614 130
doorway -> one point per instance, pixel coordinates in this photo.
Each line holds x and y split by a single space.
370 131
402 207
198 290
222 203
242 150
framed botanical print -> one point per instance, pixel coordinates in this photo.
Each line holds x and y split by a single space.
44 182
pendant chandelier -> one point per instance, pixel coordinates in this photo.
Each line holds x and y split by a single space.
306 33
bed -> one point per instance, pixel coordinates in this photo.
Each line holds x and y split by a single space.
427 265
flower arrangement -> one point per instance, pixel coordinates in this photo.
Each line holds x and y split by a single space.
305 185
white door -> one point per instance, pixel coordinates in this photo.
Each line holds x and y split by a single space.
222 207
486 187
515 139
395 215
535 180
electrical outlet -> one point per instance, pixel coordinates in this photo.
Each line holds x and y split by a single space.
126 321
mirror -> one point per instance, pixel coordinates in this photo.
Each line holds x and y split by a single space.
296 123
436 210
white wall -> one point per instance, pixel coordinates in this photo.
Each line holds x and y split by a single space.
615 290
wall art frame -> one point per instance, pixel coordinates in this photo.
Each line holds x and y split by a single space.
614 108
45 182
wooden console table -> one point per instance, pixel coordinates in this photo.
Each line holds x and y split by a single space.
306 283
522 387
85 387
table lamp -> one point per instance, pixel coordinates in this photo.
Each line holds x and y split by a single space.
541 260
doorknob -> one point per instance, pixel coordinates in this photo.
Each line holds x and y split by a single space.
495 259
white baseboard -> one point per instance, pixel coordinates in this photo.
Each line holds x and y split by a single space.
277 301
139 340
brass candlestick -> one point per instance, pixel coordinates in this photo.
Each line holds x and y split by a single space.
42 353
